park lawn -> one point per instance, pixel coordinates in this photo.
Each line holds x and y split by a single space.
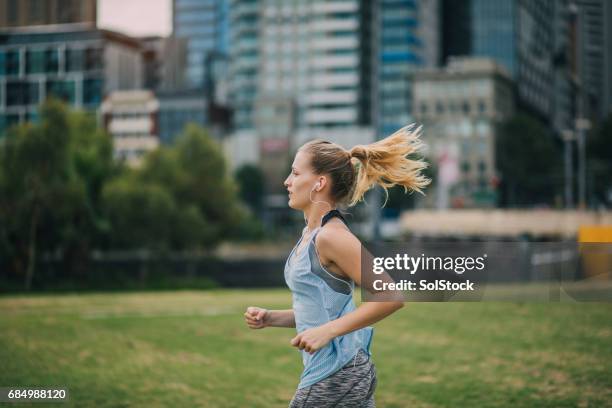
192 348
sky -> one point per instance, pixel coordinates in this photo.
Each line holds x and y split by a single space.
136 17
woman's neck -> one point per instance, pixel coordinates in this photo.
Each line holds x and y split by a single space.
314 215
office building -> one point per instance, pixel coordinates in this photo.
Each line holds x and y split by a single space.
594 55
300 70
407 40
76 65
131 117
177 109
459 107
23 13
204 25
518 34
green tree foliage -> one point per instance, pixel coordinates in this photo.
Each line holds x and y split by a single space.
250 179
61 192
529 161
52 173
181 198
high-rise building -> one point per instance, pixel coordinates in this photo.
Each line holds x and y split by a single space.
244 57
594 43
21 13
460 106
317 54
518 34
76 65
204 24
407 40
564 85
301 70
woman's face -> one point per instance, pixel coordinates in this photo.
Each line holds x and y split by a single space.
301 181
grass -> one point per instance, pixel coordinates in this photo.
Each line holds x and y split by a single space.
192 348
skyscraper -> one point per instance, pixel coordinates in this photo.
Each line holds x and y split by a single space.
244 56
204 24
407 39
301 70
594 32
518 34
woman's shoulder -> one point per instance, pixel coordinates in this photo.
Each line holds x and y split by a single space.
334 233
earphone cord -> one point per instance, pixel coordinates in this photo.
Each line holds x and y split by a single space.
315 202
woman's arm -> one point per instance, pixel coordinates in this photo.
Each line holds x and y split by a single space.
342 248
280 318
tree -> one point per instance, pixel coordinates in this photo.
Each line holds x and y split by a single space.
186 187
251 185
37 179
529 161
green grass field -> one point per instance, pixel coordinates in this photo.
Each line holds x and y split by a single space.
192 348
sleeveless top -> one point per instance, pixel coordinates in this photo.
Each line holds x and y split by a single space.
320 296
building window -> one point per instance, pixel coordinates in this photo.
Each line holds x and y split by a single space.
21 93
12 11
66 11
36 11
482 166
466 107
482 107
93 59
42 61
92 92
35 62
64 90
9 62
439 107
75 60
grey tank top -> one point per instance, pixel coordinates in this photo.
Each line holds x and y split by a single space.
320 296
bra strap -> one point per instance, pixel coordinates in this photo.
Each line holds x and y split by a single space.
330 215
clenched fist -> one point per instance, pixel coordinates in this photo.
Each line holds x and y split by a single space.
256 317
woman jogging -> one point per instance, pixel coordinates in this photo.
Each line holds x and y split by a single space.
333 335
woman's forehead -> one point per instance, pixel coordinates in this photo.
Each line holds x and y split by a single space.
301 160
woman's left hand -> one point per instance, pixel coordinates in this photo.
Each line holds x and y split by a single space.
313 339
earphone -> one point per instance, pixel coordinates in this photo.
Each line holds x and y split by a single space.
317 185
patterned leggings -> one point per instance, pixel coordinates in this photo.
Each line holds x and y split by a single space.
352 386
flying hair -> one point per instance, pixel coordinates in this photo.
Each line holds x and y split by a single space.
387 162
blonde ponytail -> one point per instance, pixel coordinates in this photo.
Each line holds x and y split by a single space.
385 162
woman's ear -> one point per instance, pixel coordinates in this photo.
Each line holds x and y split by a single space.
321 183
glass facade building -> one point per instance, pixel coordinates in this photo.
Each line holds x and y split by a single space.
407 40
77 66
33 67
205 26
244 57
518 34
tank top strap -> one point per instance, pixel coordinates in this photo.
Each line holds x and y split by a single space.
332 214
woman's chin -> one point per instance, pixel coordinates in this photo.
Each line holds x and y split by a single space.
292 204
